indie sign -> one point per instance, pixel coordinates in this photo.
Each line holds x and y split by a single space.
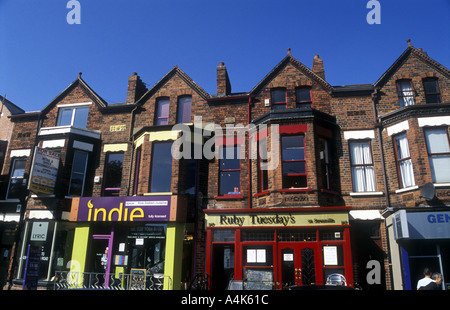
124 209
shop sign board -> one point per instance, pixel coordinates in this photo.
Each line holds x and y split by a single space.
124 209
423 225
276 219
44 171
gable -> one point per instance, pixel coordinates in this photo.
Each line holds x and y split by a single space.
175 73
288 63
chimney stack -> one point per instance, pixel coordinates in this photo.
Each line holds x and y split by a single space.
223 81
136 88
317 67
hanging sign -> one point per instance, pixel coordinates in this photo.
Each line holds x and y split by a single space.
44 171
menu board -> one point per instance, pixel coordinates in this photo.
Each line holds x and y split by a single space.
258 279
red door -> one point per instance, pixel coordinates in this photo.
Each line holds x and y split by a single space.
297 264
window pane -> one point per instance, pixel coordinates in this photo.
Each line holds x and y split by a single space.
230 182
440 168
19 168
114 171
360 153
78 172
293 148
184 110
230 158
406 95
437 140
433 98
297 181
79 162
294 167
278 96
161 174
81 116
430 86
162 113
65 117
303 94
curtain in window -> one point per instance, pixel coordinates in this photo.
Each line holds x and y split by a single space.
406 96
405 165
363 175
439 154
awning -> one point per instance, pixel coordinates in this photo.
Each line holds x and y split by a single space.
365 215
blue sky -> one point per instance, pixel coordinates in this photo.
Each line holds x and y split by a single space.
41 53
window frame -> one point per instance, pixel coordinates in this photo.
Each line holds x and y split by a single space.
430 155
154 162
263 175
180 112
401 93
83 174
398 160
304 160
438 93
372 164
303 103
158 108
222 149
278 104
74 109
11 178
111 191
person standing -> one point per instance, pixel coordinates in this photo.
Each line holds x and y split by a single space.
435 284
426 279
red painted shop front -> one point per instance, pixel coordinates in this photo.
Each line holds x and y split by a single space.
274 249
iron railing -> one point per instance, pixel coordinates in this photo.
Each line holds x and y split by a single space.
65 280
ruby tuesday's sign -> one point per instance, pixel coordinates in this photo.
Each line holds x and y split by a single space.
124 209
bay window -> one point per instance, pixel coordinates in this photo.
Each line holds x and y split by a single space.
77 177
438 153
363 175
293 161
17 186
404 163
161 168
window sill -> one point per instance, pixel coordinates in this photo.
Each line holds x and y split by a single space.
441 184
288 190
361 194
263 193
229 197
406 189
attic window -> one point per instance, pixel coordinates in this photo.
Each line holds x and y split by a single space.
432 94
278 97
303 95
75 116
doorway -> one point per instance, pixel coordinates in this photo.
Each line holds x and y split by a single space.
100 260
223 266
297 264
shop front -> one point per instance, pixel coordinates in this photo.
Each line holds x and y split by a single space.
419 238
273 249
128 242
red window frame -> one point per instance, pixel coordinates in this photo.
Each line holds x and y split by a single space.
303 160
278 104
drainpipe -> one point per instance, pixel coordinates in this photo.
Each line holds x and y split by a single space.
383 164
133 153
249 160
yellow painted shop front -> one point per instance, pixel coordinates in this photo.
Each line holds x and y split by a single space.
277 248
128 242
